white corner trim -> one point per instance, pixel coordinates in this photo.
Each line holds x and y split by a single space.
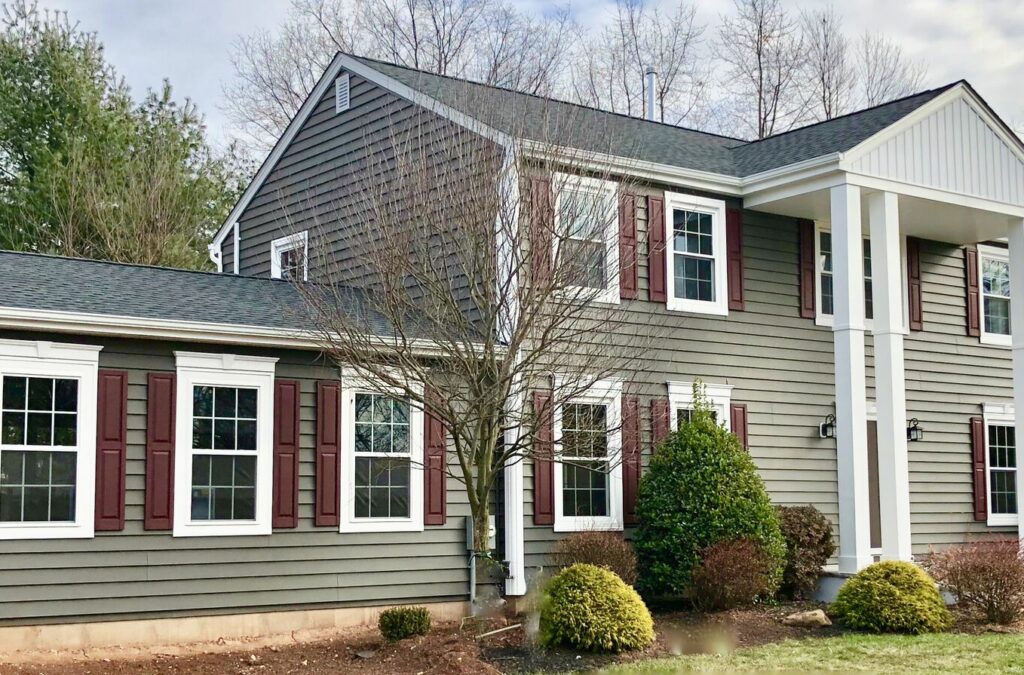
716 208
289 243
236 264
680 397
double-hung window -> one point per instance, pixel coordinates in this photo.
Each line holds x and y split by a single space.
825 287
994 268
289 257
47 439
588 449
586 242
382 454
1001 464
680 398
697 274
224 436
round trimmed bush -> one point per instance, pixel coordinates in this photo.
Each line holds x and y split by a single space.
399 623
809 545
591 608
701 488
892 597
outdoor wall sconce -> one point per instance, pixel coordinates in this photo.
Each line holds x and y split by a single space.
914 431
827 429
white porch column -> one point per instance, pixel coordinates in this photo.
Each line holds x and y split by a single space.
890 385
1017 329
851 395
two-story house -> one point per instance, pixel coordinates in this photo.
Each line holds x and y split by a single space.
174 448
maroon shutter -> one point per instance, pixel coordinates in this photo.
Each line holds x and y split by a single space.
286 454
978 457
328 453
542 219
738 419
435 476
808 269
734 257
659 419
656 254
915 309
973 291
627 247
111 448
160 394
630 457
543 461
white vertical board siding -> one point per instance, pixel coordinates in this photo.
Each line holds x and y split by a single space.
953 149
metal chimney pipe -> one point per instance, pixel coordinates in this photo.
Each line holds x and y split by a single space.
651 76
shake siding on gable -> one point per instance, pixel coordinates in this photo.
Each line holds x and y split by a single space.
155 574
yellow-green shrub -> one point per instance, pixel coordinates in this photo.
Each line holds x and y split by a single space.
591 608
892 597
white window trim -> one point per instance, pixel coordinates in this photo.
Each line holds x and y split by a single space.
680 396
81 362
289 243
994 253
564 183
609 393
351 384
997 414
716 208
223 370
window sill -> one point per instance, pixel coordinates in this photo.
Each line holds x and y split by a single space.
15 531
608 296
222 528
828 321
382 526
587 524
1002 520
697 307
996 339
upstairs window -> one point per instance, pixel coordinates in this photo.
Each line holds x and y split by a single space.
587 236
825 284
994 268
697 274
289 257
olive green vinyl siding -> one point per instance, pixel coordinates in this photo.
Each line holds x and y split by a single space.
135 572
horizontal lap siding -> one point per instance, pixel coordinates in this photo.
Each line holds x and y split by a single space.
227 254
135 571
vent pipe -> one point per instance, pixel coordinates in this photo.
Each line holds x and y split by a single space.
651 76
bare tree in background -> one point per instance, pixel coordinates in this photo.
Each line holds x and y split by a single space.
830 75
886 72
488 293
611 61
763 53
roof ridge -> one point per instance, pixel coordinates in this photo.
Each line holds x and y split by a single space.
549 99
934 90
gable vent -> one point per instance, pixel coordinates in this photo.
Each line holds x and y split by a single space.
341 93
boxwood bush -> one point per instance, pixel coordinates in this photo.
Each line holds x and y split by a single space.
701 488
892 597
399 623
809 545
591 608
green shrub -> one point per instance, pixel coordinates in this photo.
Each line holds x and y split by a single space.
701 488
892 597
588 607
399 623
731 573
809 545
604 549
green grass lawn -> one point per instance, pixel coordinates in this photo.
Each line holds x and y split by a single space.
941 653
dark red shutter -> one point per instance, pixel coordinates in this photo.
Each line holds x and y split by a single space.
160 394
286 454
328 453
656 253
734 257
111 448
973 291
808 269
543 461
627 247
435 475
738 420
630 457
915 309
659 419
978 462
542 219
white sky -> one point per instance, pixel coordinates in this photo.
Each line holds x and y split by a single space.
188 41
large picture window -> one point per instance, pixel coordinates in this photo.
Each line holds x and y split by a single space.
223 470
1001 464
586 245
994 268
697 275
47 439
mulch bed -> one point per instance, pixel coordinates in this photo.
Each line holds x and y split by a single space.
446 650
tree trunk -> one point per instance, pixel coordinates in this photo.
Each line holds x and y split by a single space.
481 528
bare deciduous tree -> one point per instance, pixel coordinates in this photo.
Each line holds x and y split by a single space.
763 54
886 72
830 75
